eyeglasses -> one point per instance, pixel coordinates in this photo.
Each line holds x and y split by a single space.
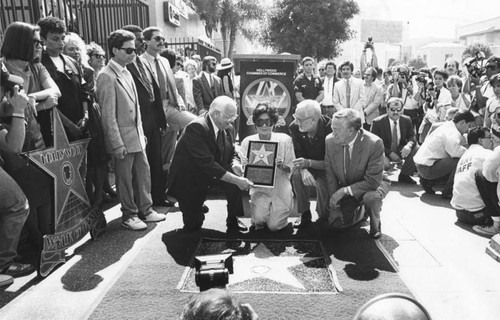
37 42
159 38
229 118
99 56
301 121
395 109
262 122
129 50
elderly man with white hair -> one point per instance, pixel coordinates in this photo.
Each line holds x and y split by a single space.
308 132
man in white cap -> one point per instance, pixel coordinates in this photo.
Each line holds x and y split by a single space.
224 71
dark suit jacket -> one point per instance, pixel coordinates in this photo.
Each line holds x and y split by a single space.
152 113
382 128
203 95
195 156
365 172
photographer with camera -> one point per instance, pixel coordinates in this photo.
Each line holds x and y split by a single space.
488 90
14 208
368 57
403 87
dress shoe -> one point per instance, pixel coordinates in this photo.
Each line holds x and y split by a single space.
426 185
403 178
16 269
301 223
237 226
163 203
204 208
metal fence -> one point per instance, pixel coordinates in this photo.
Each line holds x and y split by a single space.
93 20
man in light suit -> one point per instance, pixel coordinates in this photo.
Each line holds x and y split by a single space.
123 133
349 91
205 156
395 124
207 86
354 164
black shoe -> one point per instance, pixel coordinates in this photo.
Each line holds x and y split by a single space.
446 195
163 203
237 226
426 185
204 209
404 178
301 223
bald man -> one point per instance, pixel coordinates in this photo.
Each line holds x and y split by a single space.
205 156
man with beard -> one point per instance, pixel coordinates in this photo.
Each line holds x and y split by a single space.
207 86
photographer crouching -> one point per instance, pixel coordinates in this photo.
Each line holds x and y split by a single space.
14 208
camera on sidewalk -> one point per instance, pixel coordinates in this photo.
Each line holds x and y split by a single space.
212 271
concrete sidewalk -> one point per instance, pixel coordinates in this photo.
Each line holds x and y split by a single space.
444 264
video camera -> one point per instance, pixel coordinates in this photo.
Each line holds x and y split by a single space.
475 65
369 43
213 271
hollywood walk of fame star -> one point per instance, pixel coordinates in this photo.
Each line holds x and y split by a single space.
269 90
62 162
262 155
262 263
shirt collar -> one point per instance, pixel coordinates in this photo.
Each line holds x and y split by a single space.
351 144
146 55
117 65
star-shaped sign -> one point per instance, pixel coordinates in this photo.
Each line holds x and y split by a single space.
62 163
270 90
262 155
262 263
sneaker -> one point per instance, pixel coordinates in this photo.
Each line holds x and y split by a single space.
135 224
6 280
153 216
16 269
486 230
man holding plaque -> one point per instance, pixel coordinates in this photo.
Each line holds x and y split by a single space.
205 156
354 163
308 132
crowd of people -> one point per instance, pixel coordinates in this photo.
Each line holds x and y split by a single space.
166 126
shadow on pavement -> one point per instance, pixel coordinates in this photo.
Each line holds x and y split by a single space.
98 255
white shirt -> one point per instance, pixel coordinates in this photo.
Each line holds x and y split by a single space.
328 89
208 76
443 142
465 193
126 74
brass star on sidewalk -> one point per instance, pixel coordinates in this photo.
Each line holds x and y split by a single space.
262 263
262 155
62 163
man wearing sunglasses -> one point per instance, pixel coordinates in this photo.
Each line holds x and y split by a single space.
207 86
123 133
398 135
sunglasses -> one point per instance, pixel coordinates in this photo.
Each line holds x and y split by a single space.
321 69
38 42
99 56
129 50
159 38
395 110
262 122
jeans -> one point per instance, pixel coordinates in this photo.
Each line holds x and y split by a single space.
14 210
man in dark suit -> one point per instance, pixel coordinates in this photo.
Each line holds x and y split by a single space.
354 164
153 118
207 86
205 156
396 131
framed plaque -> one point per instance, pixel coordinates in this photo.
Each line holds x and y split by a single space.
261 167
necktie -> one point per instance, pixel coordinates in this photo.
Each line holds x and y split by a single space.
348 93
220 144
347 159
161 80
394 139
172 97
212 81
146 80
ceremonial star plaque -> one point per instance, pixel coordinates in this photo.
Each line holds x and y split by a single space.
261 167
73 215
271 266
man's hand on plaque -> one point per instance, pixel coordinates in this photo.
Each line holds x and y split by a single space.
243 183
307 178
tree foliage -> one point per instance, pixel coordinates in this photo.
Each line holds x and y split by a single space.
471 50
417 63
310 28
230 16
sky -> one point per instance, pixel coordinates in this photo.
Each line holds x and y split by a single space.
425 18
